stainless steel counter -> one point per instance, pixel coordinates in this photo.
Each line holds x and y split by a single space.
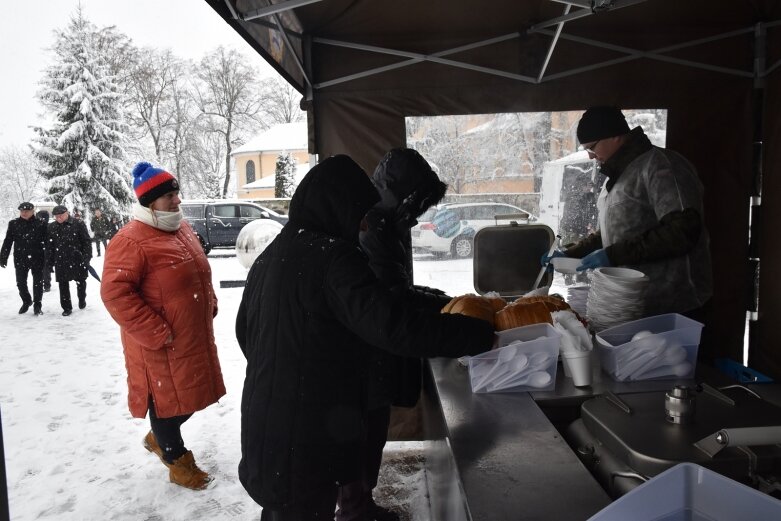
497 457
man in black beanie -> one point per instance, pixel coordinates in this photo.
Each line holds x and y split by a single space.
650 215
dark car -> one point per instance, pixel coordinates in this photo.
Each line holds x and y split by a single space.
218 223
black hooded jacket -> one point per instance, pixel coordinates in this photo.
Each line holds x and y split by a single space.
69 249
408 187
310 307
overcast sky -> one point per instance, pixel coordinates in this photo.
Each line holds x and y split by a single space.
189 27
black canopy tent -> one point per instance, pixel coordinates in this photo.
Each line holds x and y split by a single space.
362 66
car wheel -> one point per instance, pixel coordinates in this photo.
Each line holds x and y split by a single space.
461 247
206 249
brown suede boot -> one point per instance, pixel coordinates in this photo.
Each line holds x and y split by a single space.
150 444
186 473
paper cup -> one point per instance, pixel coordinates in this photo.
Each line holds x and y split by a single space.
578 365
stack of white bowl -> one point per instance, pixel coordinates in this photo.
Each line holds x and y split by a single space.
616 296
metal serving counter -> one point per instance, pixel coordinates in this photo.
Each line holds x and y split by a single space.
497 457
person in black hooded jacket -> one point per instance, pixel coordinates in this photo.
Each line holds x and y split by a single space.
408 187
310 310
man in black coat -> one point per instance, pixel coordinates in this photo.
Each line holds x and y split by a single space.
310 310
28 237
408 187
69 250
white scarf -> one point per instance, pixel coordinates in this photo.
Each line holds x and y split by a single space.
166 221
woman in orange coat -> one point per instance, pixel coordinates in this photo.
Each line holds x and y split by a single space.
157 287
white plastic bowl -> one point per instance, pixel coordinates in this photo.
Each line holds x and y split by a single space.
566 265
621 273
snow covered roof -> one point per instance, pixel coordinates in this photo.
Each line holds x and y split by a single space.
286 136
268 181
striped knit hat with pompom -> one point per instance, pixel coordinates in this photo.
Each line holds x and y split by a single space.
150 183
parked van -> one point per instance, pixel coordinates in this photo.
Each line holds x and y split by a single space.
218 223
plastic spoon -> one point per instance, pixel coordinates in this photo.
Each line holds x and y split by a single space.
536 362
636 363
514 367
673 355
536 379
506 354
640 347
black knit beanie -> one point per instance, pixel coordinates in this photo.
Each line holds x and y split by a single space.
600 123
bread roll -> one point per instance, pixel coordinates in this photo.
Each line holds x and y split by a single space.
497 303
520 314
551 303
471 306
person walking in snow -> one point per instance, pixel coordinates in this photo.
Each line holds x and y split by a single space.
408 187
157 287
100 229
27 235
310 310
69 250
43 216
113 227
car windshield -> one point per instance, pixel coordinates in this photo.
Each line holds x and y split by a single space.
428 215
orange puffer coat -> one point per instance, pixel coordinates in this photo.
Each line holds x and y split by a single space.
157 283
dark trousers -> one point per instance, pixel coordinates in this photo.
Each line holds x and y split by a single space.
47 277
354 498
319 505
97 244
21 284
65 293
168 432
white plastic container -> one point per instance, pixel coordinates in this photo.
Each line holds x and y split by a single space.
565 265
644 358
525 361
689 492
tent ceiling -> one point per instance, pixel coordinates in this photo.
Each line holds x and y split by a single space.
600 33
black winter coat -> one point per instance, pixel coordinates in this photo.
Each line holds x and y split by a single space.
405 181
101 227
69 249
309 309
28 237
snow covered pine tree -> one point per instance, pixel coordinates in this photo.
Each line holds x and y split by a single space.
81 153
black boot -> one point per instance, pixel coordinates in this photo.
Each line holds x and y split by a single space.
67 313
24 308
82 304
37 309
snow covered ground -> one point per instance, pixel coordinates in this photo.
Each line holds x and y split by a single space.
74 453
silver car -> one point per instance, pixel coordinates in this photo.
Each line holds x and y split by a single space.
450 228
